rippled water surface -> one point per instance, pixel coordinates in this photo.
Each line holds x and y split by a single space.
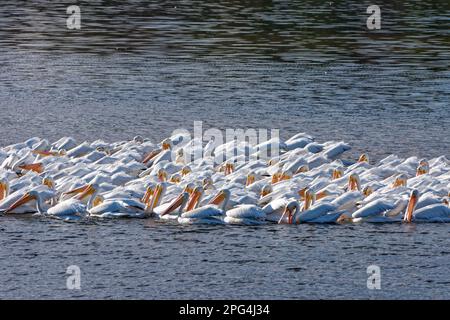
144 67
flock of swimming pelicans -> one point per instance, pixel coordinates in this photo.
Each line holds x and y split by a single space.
307 182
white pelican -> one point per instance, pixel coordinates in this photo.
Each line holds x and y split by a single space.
380 210
321 213
76 208
13 196
275 210
33 201
4 189
180 202
246 214
431 213
130 208
210 213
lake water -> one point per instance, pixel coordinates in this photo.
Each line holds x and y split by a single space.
143 67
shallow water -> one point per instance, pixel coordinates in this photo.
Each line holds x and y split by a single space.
149 68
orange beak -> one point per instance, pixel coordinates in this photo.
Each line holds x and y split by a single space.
49 183
302 169
175 203
87 192
193 200
3 191
166 146
336 174
46 153
250 180
162 176
287 211
363 158
321 194
284 176
148 194
399 182
264 193
308 200
156 196
151 155
36 167
353 184
367 191
276 177
185 171
25 198
77 190
421 170
175 179
218 198
229 168
410 209
188 189
302 193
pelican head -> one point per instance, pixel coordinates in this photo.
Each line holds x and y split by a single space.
138 139
251 178
195 198
273 161
286 175
166 144
222 197
162 175
4 189
98 199
103 149
265 190
276 177
421 170
354 183
175 178
310 198
367 191
364 158
424 163
189 188
180 156
291 208
207 183
303 168
400 181
337 173
412 203
185 171
49 182
229 168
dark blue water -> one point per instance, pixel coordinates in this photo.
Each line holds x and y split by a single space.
143 67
